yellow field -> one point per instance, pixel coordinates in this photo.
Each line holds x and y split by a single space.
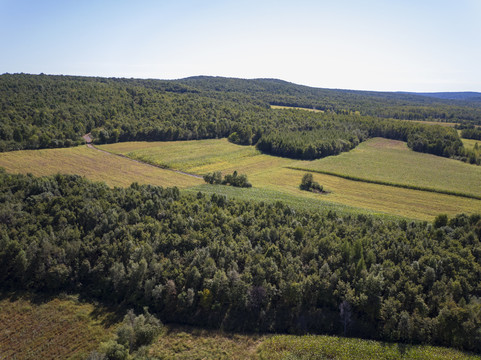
295 108
270 173
58 329
93 164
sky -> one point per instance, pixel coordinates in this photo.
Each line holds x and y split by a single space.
389 45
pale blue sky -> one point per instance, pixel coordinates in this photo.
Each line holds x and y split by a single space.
410 45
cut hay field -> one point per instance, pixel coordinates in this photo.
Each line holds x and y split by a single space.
392 161
277 107
93 164
57 329
270 175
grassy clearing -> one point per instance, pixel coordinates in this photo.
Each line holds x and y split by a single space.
57 329
392 161
440 123
92 164
469 143
192 343
295 108
335 348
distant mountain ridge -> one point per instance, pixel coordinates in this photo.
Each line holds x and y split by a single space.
462 95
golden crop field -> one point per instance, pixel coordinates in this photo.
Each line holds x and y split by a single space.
93 164
57 329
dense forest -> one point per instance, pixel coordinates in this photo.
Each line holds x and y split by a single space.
40 111
210 261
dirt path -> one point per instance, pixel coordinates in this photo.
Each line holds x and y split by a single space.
89 144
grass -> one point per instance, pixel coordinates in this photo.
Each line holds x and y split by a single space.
64 328
93 164
335 348
57 329
193 343
392 161
272 179
469 144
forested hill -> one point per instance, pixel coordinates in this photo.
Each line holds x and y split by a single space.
42 111
398 105
464 95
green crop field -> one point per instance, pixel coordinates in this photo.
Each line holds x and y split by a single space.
271 175
392 161
336 348
57 329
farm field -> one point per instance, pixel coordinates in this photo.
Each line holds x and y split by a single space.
270 173
376 159
93 164
57 329
336 348
193 343
392 161
277 107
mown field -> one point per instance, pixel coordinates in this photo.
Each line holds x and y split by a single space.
93 164
56 329
379 159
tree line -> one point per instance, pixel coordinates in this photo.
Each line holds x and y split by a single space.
243 265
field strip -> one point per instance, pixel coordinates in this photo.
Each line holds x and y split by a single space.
91 146
387 183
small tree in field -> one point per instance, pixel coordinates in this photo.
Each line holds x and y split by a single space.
308 184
